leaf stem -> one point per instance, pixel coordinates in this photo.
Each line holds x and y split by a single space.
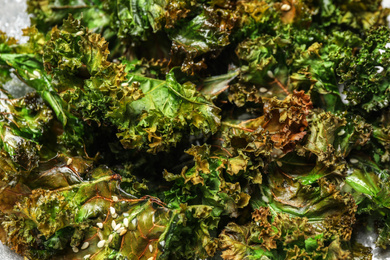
281 86
237 127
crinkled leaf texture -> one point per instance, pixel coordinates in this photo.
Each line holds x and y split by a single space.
333 136
364 75
67 218
276 132
204 194
138 18
166 109
149 113
23 121
278 237
30 70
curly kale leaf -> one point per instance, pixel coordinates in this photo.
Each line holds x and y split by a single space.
23 122
279 236
262 59
30 70
138 18
83 77
314 59
191 233
203 195
148 113
59 171
47 14
165 110
207 33
333 136
72 220
293 220
319 202
353 14
369 184
138 231
273 134
364 75
207 183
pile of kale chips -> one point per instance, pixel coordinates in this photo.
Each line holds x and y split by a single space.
194 129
